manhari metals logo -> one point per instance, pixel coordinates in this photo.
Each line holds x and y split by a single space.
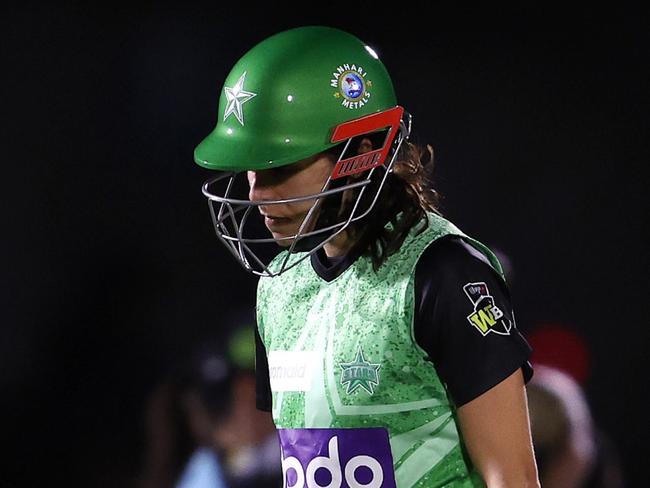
359 374
352 85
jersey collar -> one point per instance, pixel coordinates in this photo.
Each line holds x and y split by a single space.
330 268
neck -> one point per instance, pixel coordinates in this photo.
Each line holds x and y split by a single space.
339 245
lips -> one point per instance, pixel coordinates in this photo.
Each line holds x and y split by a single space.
275 222
275 218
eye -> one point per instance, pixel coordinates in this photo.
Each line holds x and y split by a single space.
284 171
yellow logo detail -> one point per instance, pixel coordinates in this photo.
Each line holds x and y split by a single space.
483 318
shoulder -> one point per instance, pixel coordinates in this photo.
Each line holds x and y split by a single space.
452 255
449 266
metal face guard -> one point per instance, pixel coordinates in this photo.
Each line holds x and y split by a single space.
233 214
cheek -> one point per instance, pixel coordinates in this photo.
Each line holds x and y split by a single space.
314 181
326 172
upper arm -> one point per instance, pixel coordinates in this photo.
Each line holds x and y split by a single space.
465 321
496 430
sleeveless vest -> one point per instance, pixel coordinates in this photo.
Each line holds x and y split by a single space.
355 399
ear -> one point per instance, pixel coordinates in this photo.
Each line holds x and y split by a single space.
365 146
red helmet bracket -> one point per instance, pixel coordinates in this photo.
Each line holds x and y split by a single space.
389 119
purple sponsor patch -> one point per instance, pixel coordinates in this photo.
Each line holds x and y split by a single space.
336 458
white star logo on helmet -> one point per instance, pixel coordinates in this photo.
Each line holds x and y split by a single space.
237 97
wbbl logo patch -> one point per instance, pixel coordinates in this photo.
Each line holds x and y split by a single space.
486 317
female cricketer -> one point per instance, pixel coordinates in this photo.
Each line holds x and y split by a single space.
387 349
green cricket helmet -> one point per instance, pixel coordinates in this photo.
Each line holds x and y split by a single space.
292 96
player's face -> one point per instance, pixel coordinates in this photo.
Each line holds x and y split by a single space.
302 178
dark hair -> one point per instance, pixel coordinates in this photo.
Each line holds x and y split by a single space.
408 189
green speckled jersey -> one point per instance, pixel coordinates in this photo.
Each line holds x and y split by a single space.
342 355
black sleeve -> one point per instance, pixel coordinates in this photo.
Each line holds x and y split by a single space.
464 320
263 399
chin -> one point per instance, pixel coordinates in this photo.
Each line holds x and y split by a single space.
283 243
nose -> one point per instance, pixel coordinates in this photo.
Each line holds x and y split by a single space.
260 186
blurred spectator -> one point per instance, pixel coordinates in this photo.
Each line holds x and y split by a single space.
561 427
558 346
203 429
248 438
571 451
181 414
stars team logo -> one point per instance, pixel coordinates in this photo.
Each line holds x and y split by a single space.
359 374
237 97
487 317
352 85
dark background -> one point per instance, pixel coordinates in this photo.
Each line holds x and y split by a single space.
110 270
